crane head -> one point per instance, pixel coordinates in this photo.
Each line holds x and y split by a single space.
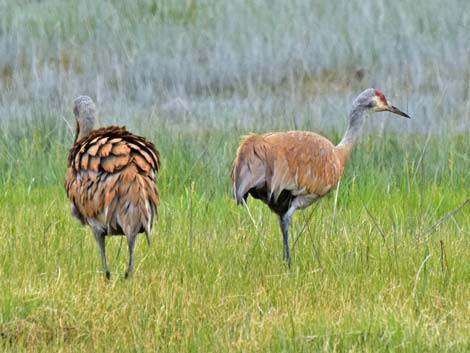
379 103
84 110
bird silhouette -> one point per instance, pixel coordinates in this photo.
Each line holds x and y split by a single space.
110 180
293 169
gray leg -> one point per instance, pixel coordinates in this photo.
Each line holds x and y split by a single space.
285 237
100 240
285 221
131 244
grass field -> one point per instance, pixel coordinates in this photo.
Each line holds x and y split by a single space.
385 269
377 277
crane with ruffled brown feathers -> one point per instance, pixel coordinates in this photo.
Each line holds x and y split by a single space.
293 169
110 180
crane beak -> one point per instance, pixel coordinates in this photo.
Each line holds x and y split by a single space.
395 110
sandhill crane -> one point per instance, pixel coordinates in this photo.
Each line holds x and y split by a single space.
110 180
291 170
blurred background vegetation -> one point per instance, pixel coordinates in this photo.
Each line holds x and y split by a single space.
253 64
373 275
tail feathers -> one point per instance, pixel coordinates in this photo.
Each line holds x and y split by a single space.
134 219
147 217
252 166
147 235
135 205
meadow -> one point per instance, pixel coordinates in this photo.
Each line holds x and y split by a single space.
381 266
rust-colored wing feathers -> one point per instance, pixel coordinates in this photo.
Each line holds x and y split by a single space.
253 165
298 161
111 178
310 160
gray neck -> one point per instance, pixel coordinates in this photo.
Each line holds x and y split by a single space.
84 126
356 121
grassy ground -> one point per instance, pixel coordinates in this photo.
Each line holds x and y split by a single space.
385 269
377 276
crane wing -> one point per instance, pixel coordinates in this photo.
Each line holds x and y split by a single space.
306 163
252 166
111 168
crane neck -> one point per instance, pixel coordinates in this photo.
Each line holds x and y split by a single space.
356 122
84 126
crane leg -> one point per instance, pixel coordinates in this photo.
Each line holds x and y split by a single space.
131 244
100 240
285 220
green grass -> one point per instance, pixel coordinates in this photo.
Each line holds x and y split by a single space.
384 270
377 277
